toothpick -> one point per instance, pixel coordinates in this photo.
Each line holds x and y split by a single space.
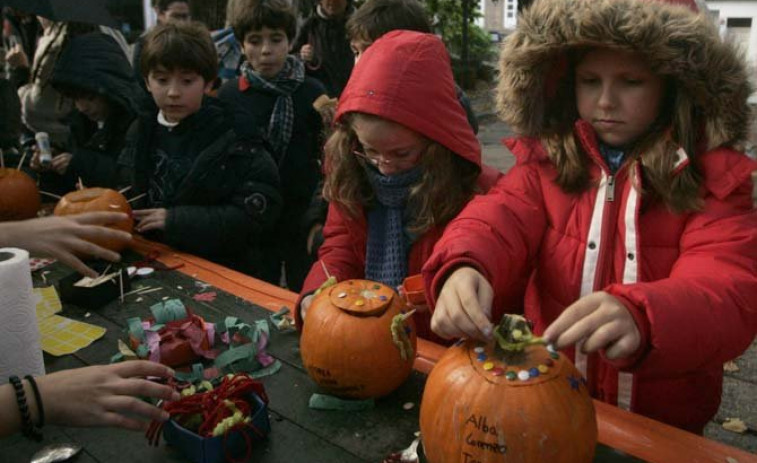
148 291
121 284
23 158
141 291
80 184
325 270
124 190
137 197
49 194
2 159
407 315
105 272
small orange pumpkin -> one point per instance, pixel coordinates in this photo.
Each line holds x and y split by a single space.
357 341
98 200
507 401
19 195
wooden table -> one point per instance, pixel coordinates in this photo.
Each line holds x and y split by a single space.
299 434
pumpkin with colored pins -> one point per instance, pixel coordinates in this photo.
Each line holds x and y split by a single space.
511 400
98 200
357 341
19 195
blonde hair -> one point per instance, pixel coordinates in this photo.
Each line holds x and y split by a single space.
447 184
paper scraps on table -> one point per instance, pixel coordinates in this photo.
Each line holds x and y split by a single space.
60 335
730 367
205 297
735 425
281 321
329 402
38 263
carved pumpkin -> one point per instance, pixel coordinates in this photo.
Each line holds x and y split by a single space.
356 342
521 403
19 195
98 200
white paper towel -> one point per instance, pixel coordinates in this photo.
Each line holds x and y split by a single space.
20 350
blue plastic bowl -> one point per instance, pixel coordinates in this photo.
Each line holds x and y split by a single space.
214 449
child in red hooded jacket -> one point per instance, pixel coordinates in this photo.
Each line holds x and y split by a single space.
630 197
401 163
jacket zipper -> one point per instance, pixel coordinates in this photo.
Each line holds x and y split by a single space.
610 197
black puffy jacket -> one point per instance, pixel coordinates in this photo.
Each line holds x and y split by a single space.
228 198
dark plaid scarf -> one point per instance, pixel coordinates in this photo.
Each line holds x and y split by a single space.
283 85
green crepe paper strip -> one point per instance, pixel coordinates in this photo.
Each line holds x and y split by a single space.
142 351
168 311
329 402
135 328
267 371
243 358
194 376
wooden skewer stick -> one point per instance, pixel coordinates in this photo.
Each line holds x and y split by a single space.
135 291
138 197
80 184
21 162
141 291
325 270
49 194
407 315
2 159
121 284
124 190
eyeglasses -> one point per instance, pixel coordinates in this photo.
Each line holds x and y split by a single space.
407 159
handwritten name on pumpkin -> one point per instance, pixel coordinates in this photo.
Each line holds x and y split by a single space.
482 426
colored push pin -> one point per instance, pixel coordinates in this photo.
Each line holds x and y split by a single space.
360 302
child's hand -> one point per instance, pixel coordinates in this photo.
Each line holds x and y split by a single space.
65 238
60 163
16 57
601 321
150 219
106 395
464 306
306 53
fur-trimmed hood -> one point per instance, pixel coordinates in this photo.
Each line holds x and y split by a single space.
536 95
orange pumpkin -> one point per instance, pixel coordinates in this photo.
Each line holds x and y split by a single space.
357 342
486 404
98 200
19 195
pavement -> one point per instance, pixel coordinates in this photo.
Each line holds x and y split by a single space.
739 398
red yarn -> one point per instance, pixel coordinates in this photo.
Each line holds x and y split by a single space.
210 406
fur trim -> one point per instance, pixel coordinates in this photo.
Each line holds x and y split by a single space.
535 95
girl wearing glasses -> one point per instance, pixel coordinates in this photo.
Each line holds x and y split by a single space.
401 163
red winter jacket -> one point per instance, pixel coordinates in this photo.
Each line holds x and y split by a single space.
689 280
391 80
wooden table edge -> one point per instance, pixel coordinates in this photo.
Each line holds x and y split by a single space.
633 434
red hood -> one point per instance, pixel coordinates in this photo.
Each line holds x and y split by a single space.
406 77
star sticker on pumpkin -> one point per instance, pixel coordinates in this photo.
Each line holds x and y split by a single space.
575 382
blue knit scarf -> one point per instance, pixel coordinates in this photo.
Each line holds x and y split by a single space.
281 122
612 156
388 242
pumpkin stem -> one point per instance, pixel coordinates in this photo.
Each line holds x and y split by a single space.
513 334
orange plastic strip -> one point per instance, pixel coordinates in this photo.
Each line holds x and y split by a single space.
633 434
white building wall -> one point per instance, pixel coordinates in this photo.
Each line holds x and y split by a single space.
722 10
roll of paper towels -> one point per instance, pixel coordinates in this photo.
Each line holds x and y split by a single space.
20 350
